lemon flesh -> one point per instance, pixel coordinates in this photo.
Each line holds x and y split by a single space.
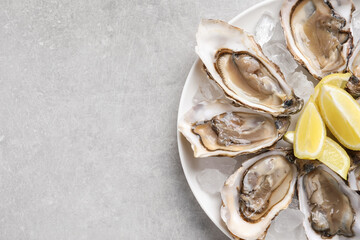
310 133
289 136
335 157
335 79
341 114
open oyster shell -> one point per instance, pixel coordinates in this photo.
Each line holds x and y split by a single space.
353 85
256 193
354 61
354 171
331 208
237 64
318 33
220 129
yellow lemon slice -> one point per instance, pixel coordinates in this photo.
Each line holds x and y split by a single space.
341 114
333 155
310 133
336 79
289 136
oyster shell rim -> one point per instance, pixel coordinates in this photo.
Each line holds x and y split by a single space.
201 150
280 205
290 41
273 68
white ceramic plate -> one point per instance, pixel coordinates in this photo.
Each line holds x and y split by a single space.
211 203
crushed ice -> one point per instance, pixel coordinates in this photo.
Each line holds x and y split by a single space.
211 180
302 87
264 28
287 225
207 91
215 170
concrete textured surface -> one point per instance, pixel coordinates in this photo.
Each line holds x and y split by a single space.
89 92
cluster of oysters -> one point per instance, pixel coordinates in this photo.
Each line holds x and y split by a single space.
256 115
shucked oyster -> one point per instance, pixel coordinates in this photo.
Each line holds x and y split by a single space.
354 61
331 208
353 85
220 129
256 193
354 171
318 33
236 62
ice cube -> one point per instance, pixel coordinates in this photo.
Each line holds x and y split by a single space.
264 28
288 220
207 91
303 88
211 180
278 34
278 53
273 235
356 25
223 164
287 225
300 233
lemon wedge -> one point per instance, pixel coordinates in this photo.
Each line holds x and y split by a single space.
333 155
289 136
341 114
335 79
310 133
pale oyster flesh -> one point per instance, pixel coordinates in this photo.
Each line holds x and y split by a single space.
331 211
317 35
354 178
354 62
246 72
354 172
330 207
259 186
237 64
256 192
234 131
220 129
353 85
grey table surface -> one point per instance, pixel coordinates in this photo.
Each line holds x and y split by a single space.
88 107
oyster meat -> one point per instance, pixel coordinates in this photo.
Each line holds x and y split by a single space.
330 207
256 193
354 61
354 178
354 172
220 129
318 33
237 64
353 85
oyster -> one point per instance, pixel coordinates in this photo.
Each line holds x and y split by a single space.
256 193
354 178
318 33
330 207
237 64
354 172
353 85
220 129
354 61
